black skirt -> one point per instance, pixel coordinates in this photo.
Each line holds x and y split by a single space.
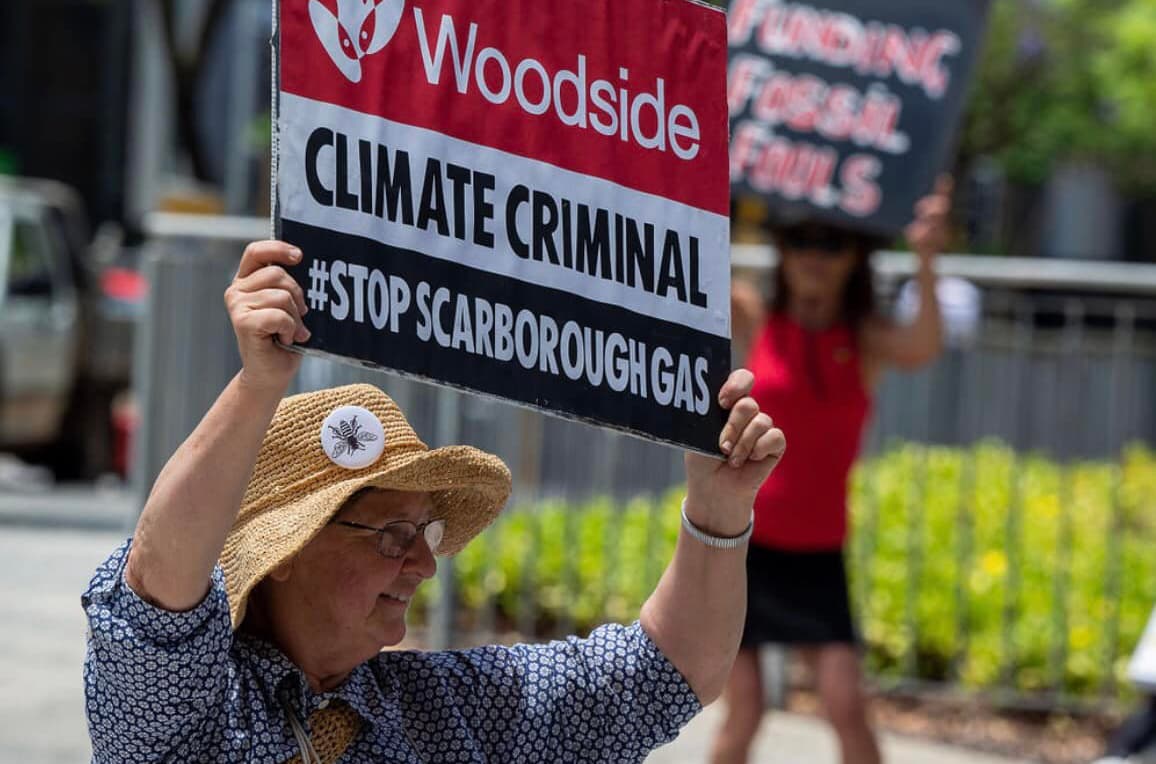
797 598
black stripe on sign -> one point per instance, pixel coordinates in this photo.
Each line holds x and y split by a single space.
686 377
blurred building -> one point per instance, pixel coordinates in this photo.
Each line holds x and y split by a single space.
222 47
88 96
64 95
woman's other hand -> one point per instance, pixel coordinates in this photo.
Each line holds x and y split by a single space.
188 514
724 490
917 343
928 234
266 303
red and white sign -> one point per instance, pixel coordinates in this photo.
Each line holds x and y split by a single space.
448 164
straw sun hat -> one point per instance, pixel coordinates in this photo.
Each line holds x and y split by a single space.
322 448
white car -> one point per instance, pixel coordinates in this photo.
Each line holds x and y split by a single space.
56 382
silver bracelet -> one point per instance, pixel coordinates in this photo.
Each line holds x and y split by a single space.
717 542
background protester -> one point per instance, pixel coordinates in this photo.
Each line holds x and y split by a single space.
820 349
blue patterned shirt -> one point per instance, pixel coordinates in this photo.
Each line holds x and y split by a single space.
182 687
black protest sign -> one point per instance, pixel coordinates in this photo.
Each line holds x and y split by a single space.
844 111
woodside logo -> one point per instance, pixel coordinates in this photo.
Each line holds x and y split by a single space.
613 106
358 29
578 99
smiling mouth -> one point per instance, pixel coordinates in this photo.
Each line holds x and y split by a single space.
395 598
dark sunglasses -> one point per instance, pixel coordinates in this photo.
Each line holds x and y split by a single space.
825 241
397 538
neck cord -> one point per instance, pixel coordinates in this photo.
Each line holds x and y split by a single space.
308 752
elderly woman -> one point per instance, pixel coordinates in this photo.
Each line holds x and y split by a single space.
278 552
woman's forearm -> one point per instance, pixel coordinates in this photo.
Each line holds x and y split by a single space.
928 326
195 499
919 343
696 613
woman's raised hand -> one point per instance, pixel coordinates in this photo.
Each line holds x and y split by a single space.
752 446
266 303
928 234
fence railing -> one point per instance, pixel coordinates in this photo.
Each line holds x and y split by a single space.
1002 526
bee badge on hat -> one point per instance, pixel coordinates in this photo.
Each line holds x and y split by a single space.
352 437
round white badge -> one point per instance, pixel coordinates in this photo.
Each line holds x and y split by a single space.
352 437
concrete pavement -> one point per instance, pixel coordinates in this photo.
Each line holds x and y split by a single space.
44 569
71 507
42 573
798 739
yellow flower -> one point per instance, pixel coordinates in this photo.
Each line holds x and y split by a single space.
994 563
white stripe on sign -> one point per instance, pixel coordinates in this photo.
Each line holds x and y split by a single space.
421 190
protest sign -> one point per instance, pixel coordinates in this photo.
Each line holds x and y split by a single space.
844 111
525 199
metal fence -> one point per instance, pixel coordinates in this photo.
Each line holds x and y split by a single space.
1060 372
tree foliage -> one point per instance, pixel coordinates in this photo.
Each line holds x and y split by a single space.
1067 80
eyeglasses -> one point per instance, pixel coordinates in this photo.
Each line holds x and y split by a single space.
395 539
825 241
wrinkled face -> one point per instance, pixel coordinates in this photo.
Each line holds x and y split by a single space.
817 261
343 590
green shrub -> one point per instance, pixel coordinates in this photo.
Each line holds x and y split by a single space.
979 566
1001 567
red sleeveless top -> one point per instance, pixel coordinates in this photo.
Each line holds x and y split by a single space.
811 384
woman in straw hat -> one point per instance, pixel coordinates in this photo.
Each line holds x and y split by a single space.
281 544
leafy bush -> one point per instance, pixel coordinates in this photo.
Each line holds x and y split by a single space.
996 568
981 566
